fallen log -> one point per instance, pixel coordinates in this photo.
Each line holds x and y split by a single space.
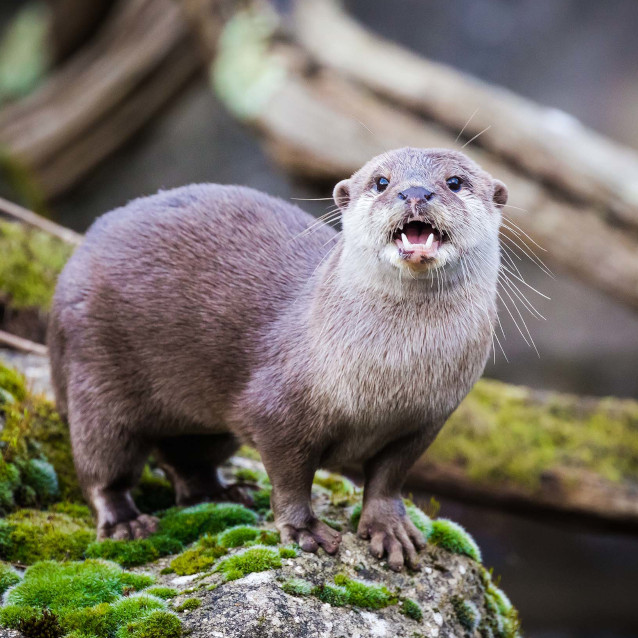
22 345
91 105
319 123
517 448
37 221
545 143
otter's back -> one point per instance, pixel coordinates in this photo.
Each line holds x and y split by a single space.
183 285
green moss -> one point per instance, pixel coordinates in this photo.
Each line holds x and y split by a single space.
452 537
261 499
12 384
72 585
41 477
192 561
467 613
253 559
89 598
245 535
297 587
25 54
34 442
496 421
134 552
154 492
30 265
334 595
8 577
366 595
237 536
188 524
248 475
331 522
355 516
288 552
162 592
501 618
245 75
189 604
76 511
157 624
342 490
44 625
28 536
411 609
249 453
420 519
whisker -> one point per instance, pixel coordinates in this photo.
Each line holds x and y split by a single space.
512 316
506 254
509 221
487 128
533 345
311 199
535 259
538 292
521 297
465 126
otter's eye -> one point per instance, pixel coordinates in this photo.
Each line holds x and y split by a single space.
381 184
454 183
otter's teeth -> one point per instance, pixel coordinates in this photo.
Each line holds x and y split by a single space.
405 240
430 240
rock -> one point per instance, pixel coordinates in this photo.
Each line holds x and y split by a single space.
451 596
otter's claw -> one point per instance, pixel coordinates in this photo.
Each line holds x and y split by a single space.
314 535
140 527
391 532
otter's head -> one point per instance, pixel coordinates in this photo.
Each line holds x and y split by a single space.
420 209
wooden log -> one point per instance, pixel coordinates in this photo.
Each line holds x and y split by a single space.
322 126
22 345
544 143
141 58
37 221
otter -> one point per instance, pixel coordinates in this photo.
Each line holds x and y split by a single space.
207 316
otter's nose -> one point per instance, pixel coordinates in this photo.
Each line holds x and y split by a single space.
416 193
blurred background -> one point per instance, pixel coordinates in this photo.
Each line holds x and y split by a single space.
578 56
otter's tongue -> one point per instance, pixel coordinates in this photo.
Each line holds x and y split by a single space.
418 233
417 242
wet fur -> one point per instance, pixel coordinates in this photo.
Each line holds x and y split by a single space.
204 316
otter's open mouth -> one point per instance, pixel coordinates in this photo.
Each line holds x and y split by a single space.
418 241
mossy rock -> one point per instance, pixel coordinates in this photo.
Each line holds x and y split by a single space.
440 532
89 598
252 559
36 463
8 577
29 536
487 432
187 525
30 265
134 552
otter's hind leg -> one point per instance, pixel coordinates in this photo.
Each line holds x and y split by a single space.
191 462
109 452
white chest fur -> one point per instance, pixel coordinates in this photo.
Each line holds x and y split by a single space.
397 365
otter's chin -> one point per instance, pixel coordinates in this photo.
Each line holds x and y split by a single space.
414 261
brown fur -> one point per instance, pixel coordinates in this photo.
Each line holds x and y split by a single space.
204 316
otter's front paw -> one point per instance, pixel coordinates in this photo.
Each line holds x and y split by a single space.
391 532
313 535
140 527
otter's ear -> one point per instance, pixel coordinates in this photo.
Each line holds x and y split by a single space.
341 194
500 193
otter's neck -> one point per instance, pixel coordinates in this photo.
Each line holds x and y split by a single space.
344 275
